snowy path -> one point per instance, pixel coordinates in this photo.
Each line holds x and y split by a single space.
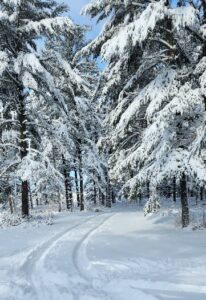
116 255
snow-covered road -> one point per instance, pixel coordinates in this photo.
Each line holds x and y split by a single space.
116 255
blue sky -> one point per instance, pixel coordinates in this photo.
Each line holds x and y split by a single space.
75 8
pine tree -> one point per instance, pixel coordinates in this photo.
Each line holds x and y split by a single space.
76 80
152 50
24 78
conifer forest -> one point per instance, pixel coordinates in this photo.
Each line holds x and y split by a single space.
102 149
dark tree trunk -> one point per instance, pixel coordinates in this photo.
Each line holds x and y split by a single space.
169 192
70 195
204 22
81 179
148 190
196 197
11 204
184 200
23 146
46 200
113 196
54 150
25 198
99 196
140 198
59 202
66 183
77 186
81 183
30 197
66 190
108 193
201 193
103 198
204 9
95 192
174 189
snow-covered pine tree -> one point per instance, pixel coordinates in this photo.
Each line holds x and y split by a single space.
119 78
76 80
23 23
173 108
158 109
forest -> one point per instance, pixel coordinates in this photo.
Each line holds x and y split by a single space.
103 150
74 132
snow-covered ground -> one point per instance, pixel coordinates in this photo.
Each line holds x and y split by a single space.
116 254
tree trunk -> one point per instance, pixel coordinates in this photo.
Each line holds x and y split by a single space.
77 186
201 193
113 196
95 192
174 189
81 180
108 192
148 190
25 198
140 197
11 204
184 200
196 197
204 22
30 197
23 151
66 183
59 202
103 199
70 195
81 183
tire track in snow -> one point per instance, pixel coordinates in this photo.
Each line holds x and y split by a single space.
39 254
33 268
168 286
84 266
93 278
80 255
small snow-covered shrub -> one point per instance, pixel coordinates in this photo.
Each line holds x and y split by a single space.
94 209
7 219
42 218
152 205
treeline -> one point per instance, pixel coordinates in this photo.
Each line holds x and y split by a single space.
138 125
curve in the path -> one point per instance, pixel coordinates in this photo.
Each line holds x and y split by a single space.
26 269
32 268
80 259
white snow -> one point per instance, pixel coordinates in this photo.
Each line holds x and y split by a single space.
136 31
3 62
49 25
118 254
184 16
